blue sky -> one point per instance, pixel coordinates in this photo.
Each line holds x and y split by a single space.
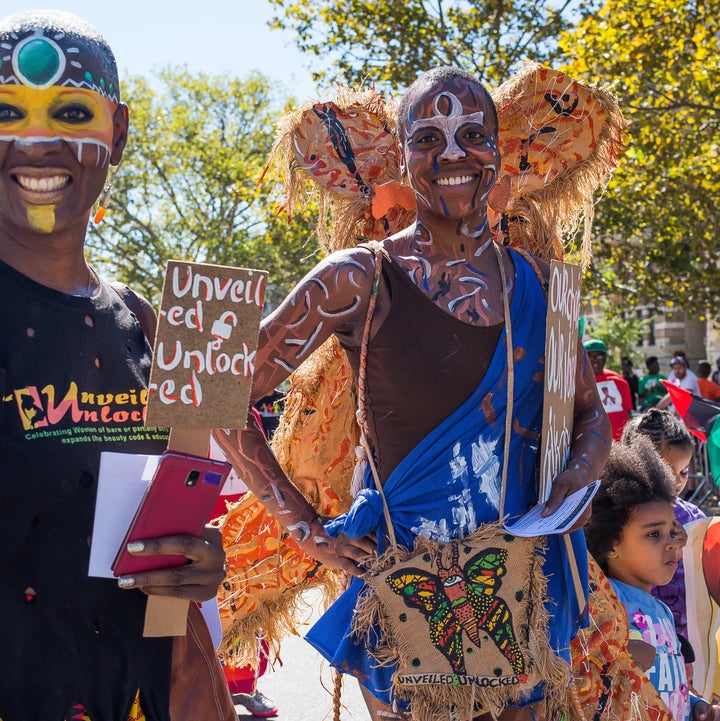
213 36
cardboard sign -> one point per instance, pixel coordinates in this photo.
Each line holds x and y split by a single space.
561 342
205 346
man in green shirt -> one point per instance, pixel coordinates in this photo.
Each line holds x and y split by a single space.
650 389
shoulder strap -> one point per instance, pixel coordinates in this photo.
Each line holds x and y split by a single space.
532 260
363 451
143 310
377 249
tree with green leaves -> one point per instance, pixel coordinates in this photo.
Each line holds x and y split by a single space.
657 228
390 43
189 189
620 331
658 225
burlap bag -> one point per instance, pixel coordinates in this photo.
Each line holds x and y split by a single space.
465 622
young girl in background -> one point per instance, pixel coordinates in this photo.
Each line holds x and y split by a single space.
634 537
673 442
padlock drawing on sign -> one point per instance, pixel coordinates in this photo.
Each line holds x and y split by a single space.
222 327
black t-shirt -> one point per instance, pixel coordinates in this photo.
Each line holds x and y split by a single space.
73 376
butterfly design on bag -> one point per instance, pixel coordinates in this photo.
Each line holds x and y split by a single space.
462 599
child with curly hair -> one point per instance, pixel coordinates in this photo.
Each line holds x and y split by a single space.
673 442
635 539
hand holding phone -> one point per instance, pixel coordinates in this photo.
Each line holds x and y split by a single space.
178 501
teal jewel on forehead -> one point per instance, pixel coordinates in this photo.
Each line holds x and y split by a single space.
38 62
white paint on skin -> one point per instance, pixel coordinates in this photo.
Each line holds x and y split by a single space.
305 343
483 248
475 233
340 314
489 308
418 239
103 158
418 193
285 366
303 527
303 317
279 497
295 297
423 262
480 285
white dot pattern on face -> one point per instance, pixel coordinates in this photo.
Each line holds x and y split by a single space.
30 332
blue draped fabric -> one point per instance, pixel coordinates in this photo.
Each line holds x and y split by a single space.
449 484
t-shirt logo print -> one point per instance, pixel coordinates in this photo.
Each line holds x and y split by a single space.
462 599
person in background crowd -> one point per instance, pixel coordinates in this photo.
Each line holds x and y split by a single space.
650 390
682 377
716 373
613 389
675 444
632 380
689 375
634 537
708 389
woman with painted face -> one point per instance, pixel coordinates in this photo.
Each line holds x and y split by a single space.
74 365
435 375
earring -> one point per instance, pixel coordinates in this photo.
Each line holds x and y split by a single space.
105 198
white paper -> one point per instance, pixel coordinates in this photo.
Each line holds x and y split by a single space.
234 484
533 524
122 481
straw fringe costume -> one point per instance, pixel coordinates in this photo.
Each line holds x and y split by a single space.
558 143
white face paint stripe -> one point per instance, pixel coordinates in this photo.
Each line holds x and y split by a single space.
79 143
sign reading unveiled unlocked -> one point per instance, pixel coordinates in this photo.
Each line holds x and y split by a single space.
205 346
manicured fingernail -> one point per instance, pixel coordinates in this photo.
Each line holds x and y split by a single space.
126 581
136 547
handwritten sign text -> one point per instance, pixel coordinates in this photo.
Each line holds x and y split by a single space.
205 347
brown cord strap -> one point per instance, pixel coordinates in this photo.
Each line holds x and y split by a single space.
510 380
361 413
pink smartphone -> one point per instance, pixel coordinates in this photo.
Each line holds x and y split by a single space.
178 500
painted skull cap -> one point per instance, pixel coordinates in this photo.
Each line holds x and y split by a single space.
42 48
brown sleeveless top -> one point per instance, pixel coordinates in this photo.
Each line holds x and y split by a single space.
422 364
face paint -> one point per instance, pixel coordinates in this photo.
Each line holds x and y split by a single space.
451 150
42 218
82 118
449 124
57 127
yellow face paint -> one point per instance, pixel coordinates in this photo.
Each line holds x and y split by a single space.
41 218
79 116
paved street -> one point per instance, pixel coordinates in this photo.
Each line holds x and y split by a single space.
302 686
